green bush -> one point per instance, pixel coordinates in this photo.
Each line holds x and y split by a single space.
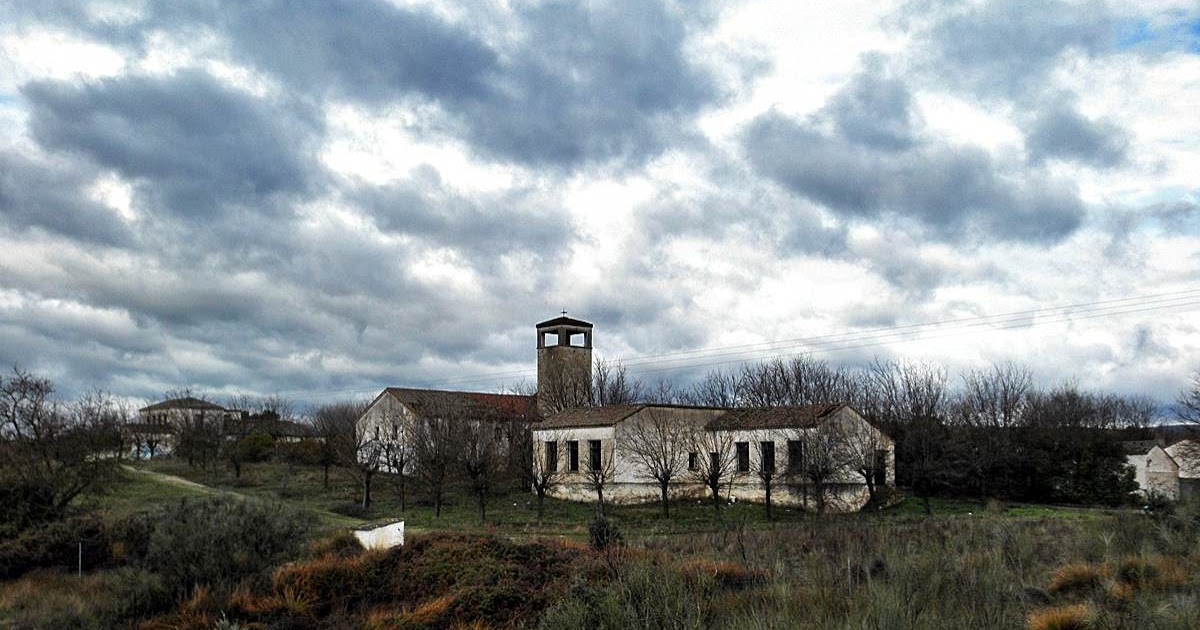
55 544
603 533
219 541
303 453
255 447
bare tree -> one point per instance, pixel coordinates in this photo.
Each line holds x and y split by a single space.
480 459
765 469
1187 406
547 468
358 451
601 468
992 404
611 384
867 453
714 460
328 428
801 380
53 453
823 463
912 398
716 389
658 445
397 452
435 445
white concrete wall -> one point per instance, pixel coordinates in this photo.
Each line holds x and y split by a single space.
1156 471
384 537
388 420
848 491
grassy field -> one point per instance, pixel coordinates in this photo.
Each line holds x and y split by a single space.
515 513
970 565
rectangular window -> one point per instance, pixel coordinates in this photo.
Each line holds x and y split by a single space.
693 460
795 455
551 456
594 454
743 456
573 456
767 451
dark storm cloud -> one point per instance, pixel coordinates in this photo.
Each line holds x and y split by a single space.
1005 47
48 194
366 50
481 226
192 145
575 84
863 169
592 83
875 109
1060 132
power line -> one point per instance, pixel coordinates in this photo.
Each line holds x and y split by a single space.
819 340
834 342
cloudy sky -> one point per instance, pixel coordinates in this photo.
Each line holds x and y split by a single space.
320 198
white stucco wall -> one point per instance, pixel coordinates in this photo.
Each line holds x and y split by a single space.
386 420
1156 471
630 485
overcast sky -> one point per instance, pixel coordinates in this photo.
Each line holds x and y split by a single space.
320 198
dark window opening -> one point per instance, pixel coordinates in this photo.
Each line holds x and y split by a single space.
693 462
881 458
795 455
768 457
594 454
573 456
714 463
743 456
551 456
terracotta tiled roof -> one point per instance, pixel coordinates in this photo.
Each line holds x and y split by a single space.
803 417
467 405
183 403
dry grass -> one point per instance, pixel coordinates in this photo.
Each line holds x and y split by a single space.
1075 577
1072 617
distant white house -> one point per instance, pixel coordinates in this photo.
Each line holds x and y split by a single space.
1186 454
1172 471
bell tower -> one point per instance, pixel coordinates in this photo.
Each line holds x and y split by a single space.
564 364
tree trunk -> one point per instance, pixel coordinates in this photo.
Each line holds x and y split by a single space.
237 469
716 497
541 494
437 503
767 487
366 492
666 501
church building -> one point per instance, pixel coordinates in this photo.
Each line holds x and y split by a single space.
814 456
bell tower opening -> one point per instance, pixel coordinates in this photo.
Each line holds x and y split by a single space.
564 358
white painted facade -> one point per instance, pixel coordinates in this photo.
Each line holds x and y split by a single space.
631 484
1156 471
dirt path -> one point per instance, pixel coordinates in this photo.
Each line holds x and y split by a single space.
177 481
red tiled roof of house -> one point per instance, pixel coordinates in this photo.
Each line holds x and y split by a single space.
472 405
801 417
